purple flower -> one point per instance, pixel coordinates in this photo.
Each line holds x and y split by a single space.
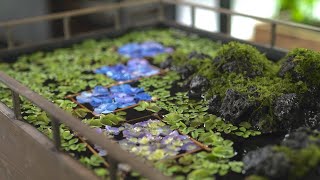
101 151
112 130
98 130
189 146
144 138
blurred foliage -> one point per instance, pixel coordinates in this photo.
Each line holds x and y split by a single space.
300 11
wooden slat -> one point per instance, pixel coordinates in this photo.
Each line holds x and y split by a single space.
28 154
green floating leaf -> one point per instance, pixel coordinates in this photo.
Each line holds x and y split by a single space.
245 124
81 112
66 135
200 174
223 152
94 123
142 106
236 166
153 107
111 119
101 172
242 129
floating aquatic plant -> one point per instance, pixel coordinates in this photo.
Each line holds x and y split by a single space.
134 69
152 139
105 100
146 49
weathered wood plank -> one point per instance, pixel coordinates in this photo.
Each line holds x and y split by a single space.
25 153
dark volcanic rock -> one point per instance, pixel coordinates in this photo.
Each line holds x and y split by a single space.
302 65
266 162
311 108
214 105
197 86
312 119
287 67
184 71
167 63
287 111
235 106
298 139
196 55
233 66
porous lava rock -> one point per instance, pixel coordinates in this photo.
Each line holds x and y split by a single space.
267 162
235 106
287 111
298 139
197 86
214 104
311 108
296 157
312 119
185 71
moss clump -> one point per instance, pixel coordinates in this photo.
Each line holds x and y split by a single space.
248 73
302 161
302 65
301 150
242 59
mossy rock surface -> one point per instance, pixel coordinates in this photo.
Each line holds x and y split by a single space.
297 157
240 59
302 65
263 87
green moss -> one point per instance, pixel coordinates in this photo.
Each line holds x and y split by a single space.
306 66
255 177
244 69
242 59
303 161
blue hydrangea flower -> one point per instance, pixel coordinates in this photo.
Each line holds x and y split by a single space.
84 97
105 108
106 100
134 69
145 49
97 101
142 97
129 49
99 90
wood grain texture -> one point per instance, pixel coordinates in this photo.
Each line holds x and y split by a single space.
25 153
288 37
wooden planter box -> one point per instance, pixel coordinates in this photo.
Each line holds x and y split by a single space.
27 154
288 37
